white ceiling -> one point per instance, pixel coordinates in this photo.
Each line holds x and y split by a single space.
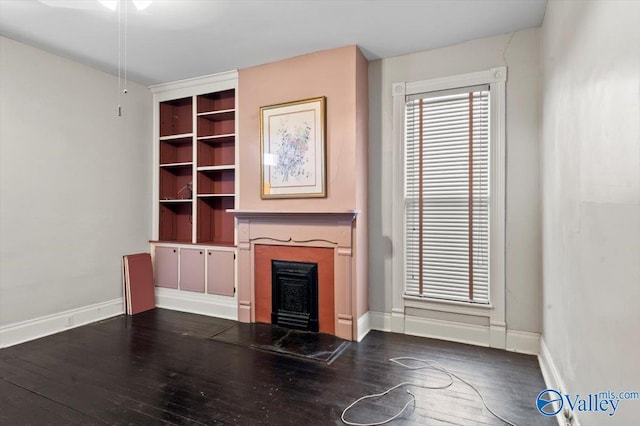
177 39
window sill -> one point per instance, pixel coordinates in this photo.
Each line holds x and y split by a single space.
476 309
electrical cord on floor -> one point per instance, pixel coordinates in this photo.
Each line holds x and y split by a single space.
424 364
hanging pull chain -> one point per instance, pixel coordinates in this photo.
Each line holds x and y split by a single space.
122 85
119 111
126 28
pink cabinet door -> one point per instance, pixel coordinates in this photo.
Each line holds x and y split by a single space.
166 267
192 270
220 272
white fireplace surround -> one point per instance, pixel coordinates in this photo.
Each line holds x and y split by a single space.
329 229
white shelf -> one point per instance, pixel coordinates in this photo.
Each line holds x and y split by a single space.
214 168
220 115
173 137
189 163
213 138
215 195
180 200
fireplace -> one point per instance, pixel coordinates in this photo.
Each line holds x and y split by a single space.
281 275
294 300
325 238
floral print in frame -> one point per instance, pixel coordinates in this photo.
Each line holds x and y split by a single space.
293 157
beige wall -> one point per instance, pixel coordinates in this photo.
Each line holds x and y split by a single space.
75 183
591 185
520 53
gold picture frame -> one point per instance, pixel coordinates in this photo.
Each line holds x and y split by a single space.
293 149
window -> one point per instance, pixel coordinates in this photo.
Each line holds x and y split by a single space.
447 194
452 135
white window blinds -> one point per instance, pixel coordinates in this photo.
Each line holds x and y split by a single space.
447 195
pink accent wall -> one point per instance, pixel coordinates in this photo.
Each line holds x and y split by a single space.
362 187
330 73
341 75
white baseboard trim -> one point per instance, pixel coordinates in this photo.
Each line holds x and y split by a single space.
380 321
24 331
397 321
523 342
364 326
553 380
516 341
447 330
549 371
197 303
497 335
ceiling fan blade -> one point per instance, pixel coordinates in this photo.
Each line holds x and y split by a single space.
74 4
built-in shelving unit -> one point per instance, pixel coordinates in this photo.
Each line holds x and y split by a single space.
215 170
197 168
193 244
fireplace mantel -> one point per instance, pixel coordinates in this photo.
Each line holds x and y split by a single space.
256 214
313 228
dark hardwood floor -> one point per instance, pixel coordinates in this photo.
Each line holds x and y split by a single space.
163 367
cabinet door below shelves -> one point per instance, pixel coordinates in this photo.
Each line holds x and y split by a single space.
166 267
192 270
220 277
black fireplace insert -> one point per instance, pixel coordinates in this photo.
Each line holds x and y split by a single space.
294 287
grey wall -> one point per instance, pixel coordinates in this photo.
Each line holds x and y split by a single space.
520 53
75 182
591 185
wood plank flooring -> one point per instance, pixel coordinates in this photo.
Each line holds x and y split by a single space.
162 367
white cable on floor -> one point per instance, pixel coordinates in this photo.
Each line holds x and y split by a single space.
376 395
425 364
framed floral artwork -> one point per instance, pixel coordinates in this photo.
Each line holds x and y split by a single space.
293 149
